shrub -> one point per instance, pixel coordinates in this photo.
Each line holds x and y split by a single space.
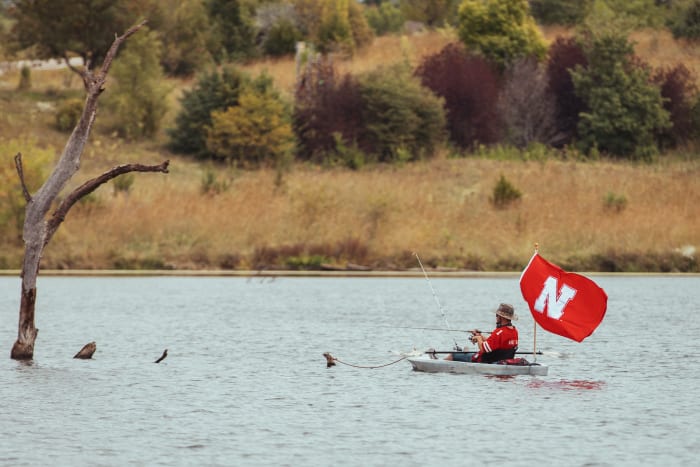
327 110
387 114
255 132
565 54
469 86
212 91
679 90
278 28
563 12
614 202
504 193
687 22
213 182
281 39
333 25
25 79
385 18
501 30
68 114
434 13
362 34
636 13
695 119
400 115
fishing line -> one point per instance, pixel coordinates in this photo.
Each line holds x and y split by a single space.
437 300
331 361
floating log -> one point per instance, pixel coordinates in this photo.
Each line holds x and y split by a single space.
87 351
162 357
330 359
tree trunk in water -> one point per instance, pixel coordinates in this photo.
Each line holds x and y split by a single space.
38 230
24 346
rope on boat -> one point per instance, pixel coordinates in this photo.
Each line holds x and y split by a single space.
331 360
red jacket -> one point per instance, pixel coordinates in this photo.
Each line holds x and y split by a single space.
500 345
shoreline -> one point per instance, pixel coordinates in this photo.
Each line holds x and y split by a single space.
330 274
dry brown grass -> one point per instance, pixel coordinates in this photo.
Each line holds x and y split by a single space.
439 208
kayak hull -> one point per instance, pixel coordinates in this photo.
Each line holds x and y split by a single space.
429 365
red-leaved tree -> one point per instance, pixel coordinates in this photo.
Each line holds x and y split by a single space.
679 90
470 87
564 55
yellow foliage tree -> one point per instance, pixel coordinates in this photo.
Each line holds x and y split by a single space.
255 132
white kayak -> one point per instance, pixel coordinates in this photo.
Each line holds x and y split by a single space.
430 365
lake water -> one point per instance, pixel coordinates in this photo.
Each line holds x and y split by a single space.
245 382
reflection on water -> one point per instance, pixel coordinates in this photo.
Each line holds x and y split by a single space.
567 385
245 382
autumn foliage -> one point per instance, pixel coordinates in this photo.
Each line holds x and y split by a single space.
469 85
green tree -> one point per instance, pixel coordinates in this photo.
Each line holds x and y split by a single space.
385 18
232 28
138 99
403 120
685 21
184 33
640 13
333 24
626 109
434 13
212 91
501 30
255 132
334 30
278 28
57 27
564 12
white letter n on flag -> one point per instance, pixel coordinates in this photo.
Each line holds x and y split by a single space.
554 300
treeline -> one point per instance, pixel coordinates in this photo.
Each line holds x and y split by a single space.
500 84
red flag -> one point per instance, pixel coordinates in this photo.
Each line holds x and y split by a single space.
563 303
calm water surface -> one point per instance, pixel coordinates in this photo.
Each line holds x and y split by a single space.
245 382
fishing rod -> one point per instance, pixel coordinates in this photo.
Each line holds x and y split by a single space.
473 331
437 300
465 351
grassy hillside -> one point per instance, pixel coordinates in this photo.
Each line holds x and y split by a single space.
585 215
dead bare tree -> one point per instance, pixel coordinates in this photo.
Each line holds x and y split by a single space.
527 106
38 227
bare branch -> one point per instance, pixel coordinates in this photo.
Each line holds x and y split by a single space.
91 185
20 172
75 70
93 81
116 44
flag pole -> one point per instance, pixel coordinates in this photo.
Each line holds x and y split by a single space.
534 332
534 344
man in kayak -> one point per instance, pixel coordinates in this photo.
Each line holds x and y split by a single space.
500 345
